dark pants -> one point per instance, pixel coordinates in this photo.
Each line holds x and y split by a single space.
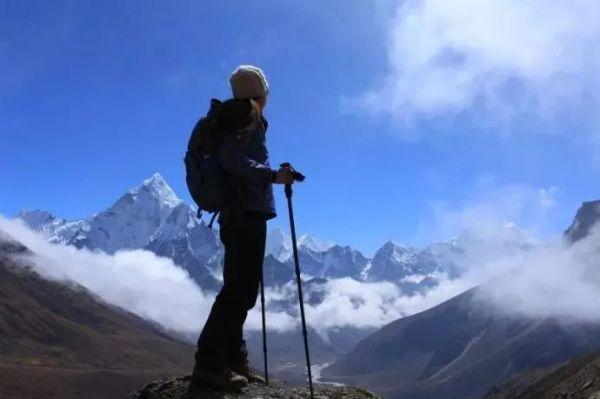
221 343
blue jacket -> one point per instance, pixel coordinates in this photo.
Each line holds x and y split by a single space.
246 159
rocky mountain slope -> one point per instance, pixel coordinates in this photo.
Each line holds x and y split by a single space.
587 216
576 379
176 388
460 348
59 340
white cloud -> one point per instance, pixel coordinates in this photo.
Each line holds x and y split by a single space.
157 289
507 58
139 281
554 280
535 280
351 303
491 209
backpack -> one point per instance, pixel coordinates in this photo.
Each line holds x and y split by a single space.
204 176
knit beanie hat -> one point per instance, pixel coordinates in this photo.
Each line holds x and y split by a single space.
248 81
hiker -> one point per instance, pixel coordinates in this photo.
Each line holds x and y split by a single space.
221 356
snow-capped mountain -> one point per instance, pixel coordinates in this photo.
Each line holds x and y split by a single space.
314 244
191 244
404 265
151 216
133 219
318 258
321 259
56 230
341 261
279 244
127 224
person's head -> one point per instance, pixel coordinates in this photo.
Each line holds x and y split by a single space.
249 83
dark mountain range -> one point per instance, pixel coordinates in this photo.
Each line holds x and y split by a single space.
58 340
460 348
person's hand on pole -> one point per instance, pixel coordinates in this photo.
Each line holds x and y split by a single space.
284 176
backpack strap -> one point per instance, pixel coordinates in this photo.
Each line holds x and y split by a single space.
214 216
212 219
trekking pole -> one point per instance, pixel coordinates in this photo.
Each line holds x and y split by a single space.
264 325
288 194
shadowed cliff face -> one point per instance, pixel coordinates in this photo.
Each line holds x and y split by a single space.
59 340
176 388
586 218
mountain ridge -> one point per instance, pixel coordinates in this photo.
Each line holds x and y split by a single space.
151 216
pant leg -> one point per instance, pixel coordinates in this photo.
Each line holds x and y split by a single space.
253 237
222 336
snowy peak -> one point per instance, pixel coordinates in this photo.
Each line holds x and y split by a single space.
342 261
36 219
393 261
395 250
133 218
156 187
55 229
279 244
314 244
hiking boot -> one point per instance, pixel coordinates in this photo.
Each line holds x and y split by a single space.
247 372
227 378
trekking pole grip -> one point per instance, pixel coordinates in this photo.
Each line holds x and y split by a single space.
299 177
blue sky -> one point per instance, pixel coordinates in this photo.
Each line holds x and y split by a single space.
411 120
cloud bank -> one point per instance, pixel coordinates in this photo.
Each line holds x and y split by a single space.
138 281
553 280
507 58
524 278
491 207
156 289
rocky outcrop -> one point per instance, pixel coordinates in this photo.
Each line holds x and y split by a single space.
176 388
586 218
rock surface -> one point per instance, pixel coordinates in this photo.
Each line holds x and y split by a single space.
576 379
586 218
176 388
